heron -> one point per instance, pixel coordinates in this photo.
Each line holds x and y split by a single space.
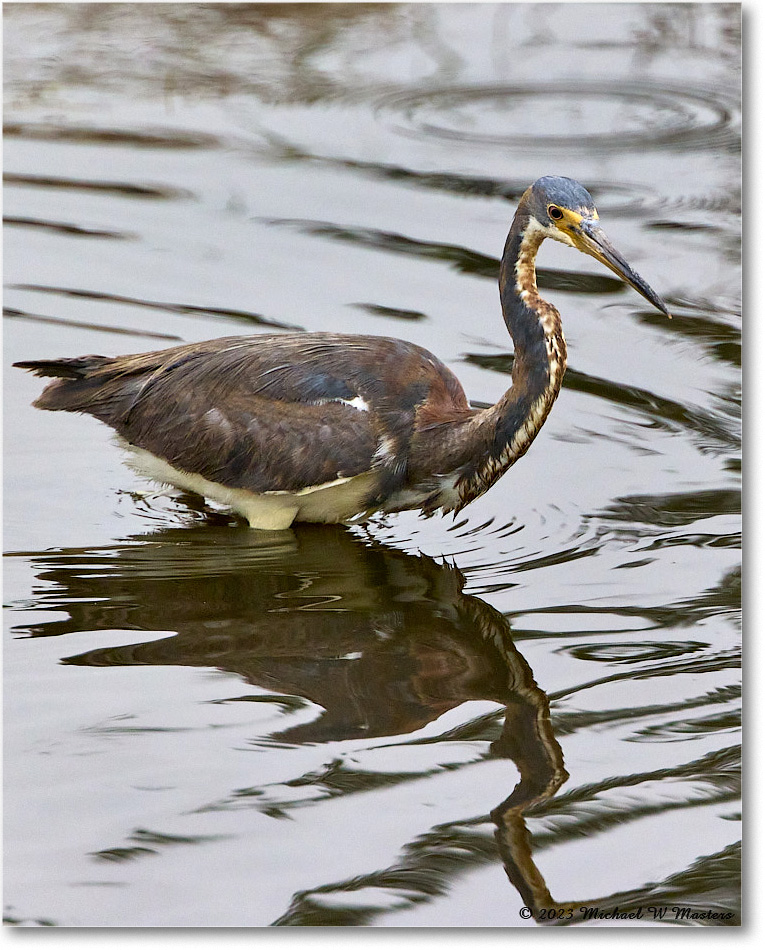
331 427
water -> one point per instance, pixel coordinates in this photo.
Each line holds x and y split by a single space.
420 722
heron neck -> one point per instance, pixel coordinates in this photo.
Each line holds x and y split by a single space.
508 428
534 325
531 321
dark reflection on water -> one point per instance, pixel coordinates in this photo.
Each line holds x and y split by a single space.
122 189
242 316
171 138
612 197
713 431
385 643
462 259
64 227
13 313
376 310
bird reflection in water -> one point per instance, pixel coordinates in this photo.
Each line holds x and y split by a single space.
383 641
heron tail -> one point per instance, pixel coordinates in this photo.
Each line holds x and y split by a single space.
77 367
72 387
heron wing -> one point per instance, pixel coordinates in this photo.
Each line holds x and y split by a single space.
263 413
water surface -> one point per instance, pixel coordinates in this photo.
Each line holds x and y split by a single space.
419 722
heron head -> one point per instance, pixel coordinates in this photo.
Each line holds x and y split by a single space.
564 210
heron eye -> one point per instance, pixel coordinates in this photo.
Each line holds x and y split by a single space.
555 213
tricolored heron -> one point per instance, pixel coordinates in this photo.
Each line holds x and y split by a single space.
331 427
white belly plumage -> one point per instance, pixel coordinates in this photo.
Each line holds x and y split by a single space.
339 500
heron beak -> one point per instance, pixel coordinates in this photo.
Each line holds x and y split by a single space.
591 239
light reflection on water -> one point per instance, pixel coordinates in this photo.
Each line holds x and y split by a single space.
177 687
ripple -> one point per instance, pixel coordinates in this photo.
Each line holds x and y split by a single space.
123 189
165 138
568 115
396 313
66 227
633 651
715 433
463 259
613 197
12 313
188 309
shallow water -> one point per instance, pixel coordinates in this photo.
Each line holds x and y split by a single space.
419 722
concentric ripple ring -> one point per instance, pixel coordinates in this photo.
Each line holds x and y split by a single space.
568 115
